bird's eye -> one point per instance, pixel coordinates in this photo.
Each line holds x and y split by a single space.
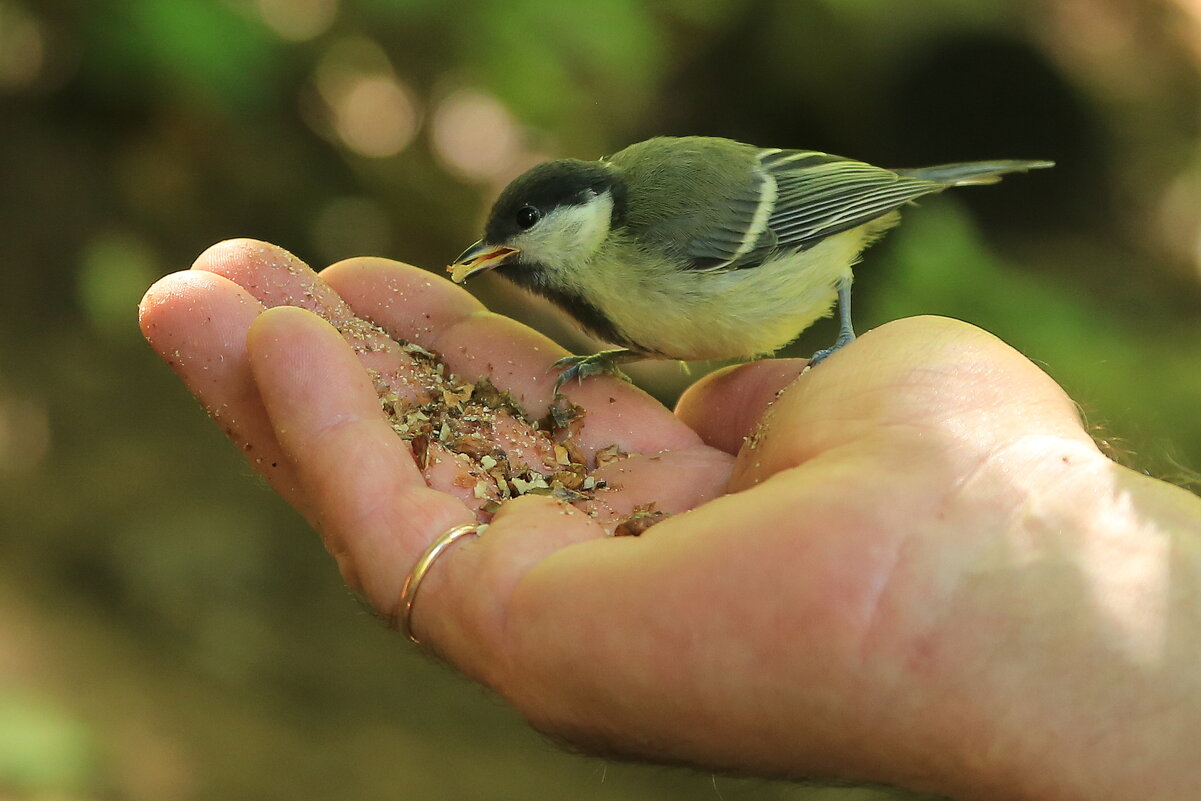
527 216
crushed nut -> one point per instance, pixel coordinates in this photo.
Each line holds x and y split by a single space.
643 517
461 419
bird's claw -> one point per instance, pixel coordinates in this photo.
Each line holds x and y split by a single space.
581 367
825 353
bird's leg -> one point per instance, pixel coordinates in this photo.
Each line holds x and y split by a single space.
603 363
846 330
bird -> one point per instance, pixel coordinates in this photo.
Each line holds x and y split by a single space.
698 248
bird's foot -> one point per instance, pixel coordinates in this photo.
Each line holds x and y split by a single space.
580 367
825 353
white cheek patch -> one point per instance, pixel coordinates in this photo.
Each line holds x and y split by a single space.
569 235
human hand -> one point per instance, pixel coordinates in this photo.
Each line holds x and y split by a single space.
885 583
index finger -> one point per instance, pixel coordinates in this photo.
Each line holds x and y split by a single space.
413 305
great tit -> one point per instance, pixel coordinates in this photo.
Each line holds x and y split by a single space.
698 247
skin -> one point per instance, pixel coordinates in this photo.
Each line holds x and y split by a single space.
920 571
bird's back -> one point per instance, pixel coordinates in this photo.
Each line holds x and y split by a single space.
675 186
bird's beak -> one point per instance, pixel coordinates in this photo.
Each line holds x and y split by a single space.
479 258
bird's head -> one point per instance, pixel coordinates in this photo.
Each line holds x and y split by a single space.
551 219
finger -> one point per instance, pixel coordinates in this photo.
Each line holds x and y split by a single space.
197 323
277 278
413 305
274 276
370 501
461 609
929 375
724 406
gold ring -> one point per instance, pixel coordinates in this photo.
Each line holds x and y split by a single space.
408 592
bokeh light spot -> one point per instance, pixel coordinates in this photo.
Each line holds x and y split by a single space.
298 20
114 271
44 750
475 136
22 47
372 111
376 116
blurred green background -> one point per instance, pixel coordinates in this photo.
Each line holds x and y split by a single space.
170 630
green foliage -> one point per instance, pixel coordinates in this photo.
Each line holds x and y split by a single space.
43 749
187 49
114 271
940 265
537 55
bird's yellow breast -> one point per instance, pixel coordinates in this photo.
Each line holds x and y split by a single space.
697 315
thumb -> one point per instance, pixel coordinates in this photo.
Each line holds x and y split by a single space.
725 406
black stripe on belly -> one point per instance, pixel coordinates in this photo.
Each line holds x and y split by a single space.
532 277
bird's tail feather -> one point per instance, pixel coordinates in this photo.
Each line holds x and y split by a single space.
972 172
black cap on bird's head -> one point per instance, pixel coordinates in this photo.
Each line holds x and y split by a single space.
567 182
545 191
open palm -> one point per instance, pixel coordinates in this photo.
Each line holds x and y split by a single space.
299 402
842 564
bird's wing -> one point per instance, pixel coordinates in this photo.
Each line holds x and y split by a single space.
819 195
736 234
796 199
